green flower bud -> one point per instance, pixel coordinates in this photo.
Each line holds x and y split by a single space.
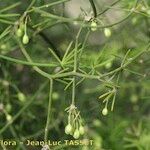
3 46
107 32
21 97
8 107
8 117
81 130
55 96
108 65
19 32
98 141
134 98
5 83
68 129
93 26
97 123
105 111
25 39
76 134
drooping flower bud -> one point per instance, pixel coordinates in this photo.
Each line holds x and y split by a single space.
8 107
8 117
107 32
93 26
19 32
105 111
68 129
21 97
81 130
25 39
76 134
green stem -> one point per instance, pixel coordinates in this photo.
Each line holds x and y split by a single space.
49 111
9 15
14 60
10 7
73 91
25 26
43 73
105 10
53 4
31 4
75 66
5 32
7 21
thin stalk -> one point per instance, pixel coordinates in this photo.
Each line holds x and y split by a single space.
9 15
27 56
10 7
5 32
93 7
113 101
49 110
18 61
7 21
105 10
75 67
73 90
53 4
31 4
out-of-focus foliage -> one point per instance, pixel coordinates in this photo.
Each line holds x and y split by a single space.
89 56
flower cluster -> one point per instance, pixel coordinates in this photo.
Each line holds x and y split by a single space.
107 96
74 127
22 29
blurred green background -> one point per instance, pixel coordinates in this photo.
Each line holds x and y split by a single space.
128 125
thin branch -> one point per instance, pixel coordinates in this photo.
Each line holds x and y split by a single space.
18 61
49 110
94 8
105 10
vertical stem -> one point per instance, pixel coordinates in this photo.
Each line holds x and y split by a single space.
113 101
25 26
27 56
76 49
75 66
94 8
73 91
75 56
31 4
49 110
